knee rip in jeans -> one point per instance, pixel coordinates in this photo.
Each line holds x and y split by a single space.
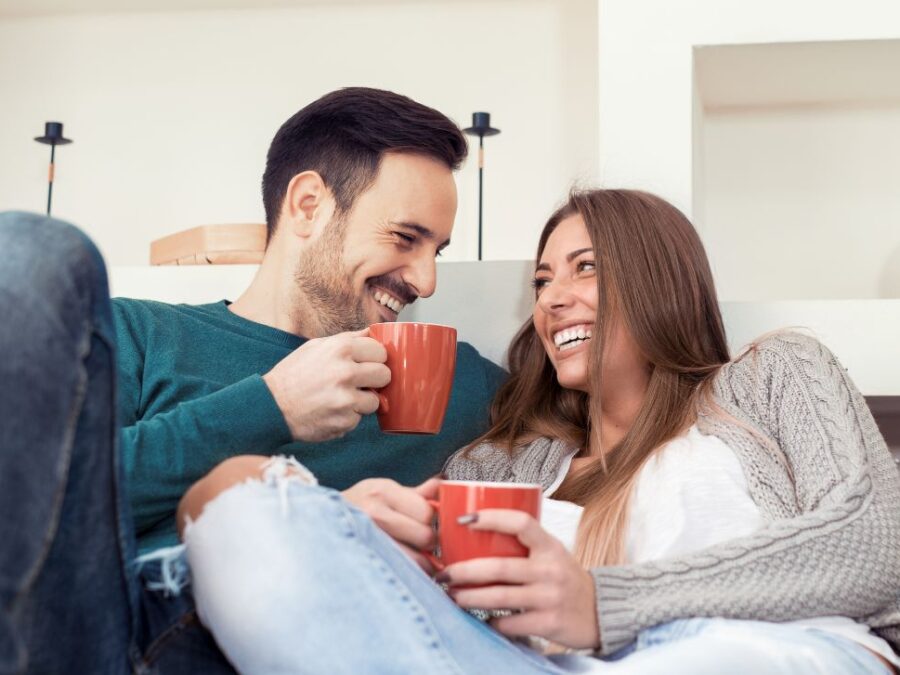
278 472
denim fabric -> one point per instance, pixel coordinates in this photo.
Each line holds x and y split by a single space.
292 579
172 640
67 603
712 646
302 582
71 600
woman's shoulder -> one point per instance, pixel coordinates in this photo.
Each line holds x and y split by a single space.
783 378
781 353
789 343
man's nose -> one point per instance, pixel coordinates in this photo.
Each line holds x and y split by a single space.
421 275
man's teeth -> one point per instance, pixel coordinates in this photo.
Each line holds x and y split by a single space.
571 337
389 301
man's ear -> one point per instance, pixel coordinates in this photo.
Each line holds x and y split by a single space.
305 203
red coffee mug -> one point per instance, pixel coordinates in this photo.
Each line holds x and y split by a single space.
459 498
422 359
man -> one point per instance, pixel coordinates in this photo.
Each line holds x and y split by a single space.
359 199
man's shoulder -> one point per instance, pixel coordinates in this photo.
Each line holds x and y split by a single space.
136 311
137 320
468 357
137 306
467 351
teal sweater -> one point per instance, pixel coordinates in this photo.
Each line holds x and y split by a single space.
191 394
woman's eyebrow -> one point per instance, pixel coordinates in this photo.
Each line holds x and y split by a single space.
569 258
575 254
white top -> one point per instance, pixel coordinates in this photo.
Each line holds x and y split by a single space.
690 495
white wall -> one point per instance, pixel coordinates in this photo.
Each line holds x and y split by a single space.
791 203
803 202
172 112
646 70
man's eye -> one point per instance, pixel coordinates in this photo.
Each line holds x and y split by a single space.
405 238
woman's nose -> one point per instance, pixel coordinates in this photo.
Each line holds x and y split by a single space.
556 295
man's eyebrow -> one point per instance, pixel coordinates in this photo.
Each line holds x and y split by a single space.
569 258
421 230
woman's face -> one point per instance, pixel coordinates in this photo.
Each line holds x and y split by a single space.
566 306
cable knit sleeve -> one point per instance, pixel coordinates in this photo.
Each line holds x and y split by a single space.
835 551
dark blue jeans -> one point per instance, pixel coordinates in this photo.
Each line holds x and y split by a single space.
71 600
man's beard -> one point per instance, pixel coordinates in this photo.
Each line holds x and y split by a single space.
324 295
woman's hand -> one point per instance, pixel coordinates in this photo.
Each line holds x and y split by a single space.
402 512
555 595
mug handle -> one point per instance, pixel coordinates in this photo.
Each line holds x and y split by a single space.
433 559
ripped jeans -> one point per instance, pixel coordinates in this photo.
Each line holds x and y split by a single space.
290 578
71 597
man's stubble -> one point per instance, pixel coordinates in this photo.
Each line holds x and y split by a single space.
324 296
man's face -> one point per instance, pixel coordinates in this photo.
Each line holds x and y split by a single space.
368 264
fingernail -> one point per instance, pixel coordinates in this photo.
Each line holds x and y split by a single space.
442 578
468 519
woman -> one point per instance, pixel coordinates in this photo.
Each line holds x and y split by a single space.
722 516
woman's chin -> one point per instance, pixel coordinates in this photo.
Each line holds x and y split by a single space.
577 382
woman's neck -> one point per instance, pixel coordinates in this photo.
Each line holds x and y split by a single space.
621 402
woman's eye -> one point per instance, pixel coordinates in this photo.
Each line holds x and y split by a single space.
538 284
586 266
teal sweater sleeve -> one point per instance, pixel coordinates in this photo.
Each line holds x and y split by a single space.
165 452
168 452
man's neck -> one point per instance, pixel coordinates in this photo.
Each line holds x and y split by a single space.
267 300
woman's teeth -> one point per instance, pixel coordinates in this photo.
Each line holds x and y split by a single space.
389 301
571 337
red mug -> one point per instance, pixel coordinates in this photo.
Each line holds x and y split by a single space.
459 498
422 359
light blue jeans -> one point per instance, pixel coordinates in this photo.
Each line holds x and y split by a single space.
292 579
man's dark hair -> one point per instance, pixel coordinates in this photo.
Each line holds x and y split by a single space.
343 136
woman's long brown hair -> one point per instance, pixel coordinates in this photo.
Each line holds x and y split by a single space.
652 274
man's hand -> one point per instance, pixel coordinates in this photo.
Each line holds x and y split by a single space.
402 512
322 388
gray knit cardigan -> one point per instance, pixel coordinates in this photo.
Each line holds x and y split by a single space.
831 543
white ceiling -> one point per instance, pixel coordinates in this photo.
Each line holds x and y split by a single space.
20 8
853 72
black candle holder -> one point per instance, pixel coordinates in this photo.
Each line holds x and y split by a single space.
481 127
53 136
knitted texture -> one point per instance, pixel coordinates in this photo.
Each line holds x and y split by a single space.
824 480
